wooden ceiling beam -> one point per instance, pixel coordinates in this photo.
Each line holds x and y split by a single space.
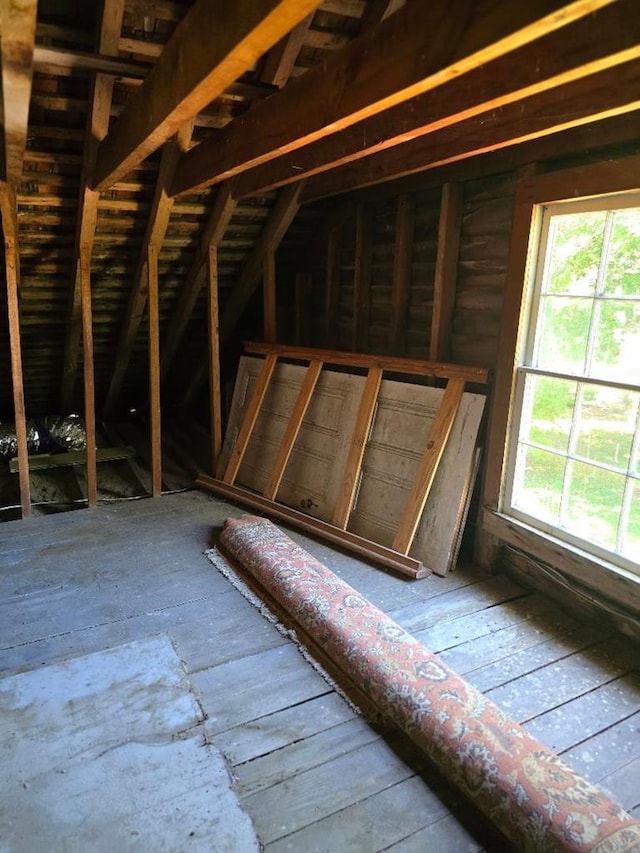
96 129
18 34
282 57
607 38
384 67
591 99
221 213
214 44
153 238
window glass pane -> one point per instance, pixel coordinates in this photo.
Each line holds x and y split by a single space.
617 342
549 411
631 535
606 424
575 246
622 276
539 479
564 333
593 503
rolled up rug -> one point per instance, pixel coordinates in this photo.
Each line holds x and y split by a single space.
536 800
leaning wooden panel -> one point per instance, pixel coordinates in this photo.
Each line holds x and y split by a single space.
248 424
293 428
429 465
357 447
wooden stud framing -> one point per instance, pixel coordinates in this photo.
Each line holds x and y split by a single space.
358 445
334 262
362 279
444 286
405 219
154 235
8 207
253 409
89 383
154 372
96 128
440 430
18 28
269 296
200 60
215 402
293 428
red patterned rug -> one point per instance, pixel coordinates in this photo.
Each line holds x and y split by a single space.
538 802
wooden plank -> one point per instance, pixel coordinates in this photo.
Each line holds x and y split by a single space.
332 287
598 41
89 386
9 210
41 461
419 493
445 278
253 409
217 223
215 402
200 60
403 252
385 67
293 428
18 26
358 445
269 296
314 526
393 364
280 60
362 279
155 231
97 125
155 413
595 98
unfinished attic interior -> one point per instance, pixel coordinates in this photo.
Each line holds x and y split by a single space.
320 425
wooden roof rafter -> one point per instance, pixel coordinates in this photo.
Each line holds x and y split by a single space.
96 128
18 29
605 39
382 68
209 58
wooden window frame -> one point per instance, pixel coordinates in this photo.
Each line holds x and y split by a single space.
533 191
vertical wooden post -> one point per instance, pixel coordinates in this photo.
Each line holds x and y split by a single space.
214 356
405 218
12 267
269 296
334 257
302 324
154 371
362 280
444 286
84 260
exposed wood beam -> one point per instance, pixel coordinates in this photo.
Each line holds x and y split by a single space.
96 128
385 67
608 94
215 402
270 316
221 213
362 279
84 266
154 370
9 211
607 38
214 44
444 284
276 227
154 235
282 57
377 11
332 285
18 35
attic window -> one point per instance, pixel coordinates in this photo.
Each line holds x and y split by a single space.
574 449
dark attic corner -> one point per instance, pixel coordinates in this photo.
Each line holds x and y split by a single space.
319 326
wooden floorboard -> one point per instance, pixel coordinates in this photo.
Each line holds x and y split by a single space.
310 772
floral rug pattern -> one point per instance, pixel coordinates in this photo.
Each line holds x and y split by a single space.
538 802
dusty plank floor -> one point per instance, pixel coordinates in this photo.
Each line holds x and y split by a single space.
311 774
